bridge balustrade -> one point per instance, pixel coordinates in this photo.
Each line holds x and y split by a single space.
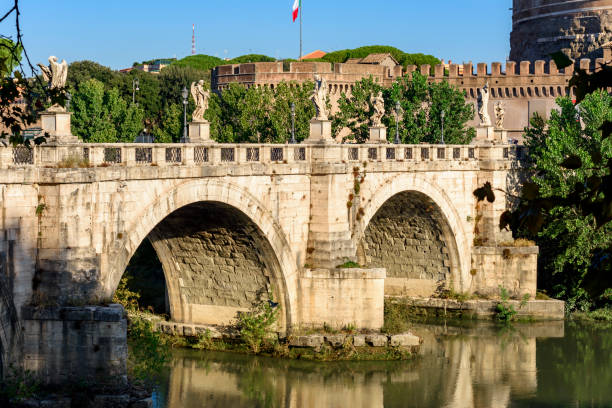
104 155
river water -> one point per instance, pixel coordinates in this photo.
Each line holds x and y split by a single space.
558 364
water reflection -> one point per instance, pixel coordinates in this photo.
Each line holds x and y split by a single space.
458 367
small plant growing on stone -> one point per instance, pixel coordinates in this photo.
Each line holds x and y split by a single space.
505 311
17 385
256 325
125 297
348 265
40 209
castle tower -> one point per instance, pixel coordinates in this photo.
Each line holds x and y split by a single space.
577 27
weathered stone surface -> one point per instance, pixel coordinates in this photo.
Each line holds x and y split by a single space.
311 341
404 340
545 27
376 340
335 340
405 237
359 340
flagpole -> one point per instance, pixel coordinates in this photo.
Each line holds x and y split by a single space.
301 12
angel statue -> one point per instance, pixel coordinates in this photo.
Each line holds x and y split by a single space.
378 103
200 96
319 97
483 106
500 112
56 73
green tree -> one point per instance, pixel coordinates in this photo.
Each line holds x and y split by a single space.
103 116
421 103
284 95
354 112
569 239
173 79
171 125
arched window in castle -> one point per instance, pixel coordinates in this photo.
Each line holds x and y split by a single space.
493 93
514 93
560 91
500 93
544 91
537 91
472 93
507 93
552 91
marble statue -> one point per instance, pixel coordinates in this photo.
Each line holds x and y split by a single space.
499 115
378 104
319 97
200 96
56 73
483 106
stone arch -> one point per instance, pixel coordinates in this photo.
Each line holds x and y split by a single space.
275 247
425 199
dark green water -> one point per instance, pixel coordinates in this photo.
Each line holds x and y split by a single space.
543 365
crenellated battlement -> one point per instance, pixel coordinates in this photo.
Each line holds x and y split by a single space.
524 73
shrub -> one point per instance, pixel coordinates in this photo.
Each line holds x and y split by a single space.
256 325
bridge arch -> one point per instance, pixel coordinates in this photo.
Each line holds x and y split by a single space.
410 226
254 226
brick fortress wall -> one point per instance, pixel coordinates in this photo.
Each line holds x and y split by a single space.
524 87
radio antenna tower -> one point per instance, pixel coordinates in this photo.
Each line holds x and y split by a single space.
193 40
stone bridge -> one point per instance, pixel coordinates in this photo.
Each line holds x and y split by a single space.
236 224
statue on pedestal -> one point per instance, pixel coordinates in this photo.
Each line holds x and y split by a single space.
378 104
319 97
200 96
499 115
55 75
483 106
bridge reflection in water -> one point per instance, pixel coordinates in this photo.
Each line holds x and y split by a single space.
458 367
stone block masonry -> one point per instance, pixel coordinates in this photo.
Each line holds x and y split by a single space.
76 344
232 224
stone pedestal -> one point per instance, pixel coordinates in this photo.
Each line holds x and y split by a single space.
320 132
56 122
340 297
199 132
489 134
484 135
378 135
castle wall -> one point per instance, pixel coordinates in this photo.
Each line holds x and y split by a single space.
578 28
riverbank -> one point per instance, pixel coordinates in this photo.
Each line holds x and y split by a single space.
321 344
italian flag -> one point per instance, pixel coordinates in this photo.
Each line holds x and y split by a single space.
297 4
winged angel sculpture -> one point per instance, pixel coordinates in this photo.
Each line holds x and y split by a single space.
200 96
56 73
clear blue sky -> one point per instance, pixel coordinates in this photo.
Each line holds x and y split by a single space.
117 33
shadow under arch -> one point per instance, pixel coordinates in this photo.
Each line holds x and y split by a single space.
233 202
417 198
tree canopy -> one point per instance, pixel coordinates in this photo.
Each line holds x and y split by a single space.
421 104
402 57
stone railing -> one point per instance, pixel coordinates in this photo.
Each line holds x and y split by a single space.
105 155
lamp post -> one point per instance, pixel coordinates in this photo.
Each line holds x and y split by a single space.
397 112
185 95
442 119
292 123
135 87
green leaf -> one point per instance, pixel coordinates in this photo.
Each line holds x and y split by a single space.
561 60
